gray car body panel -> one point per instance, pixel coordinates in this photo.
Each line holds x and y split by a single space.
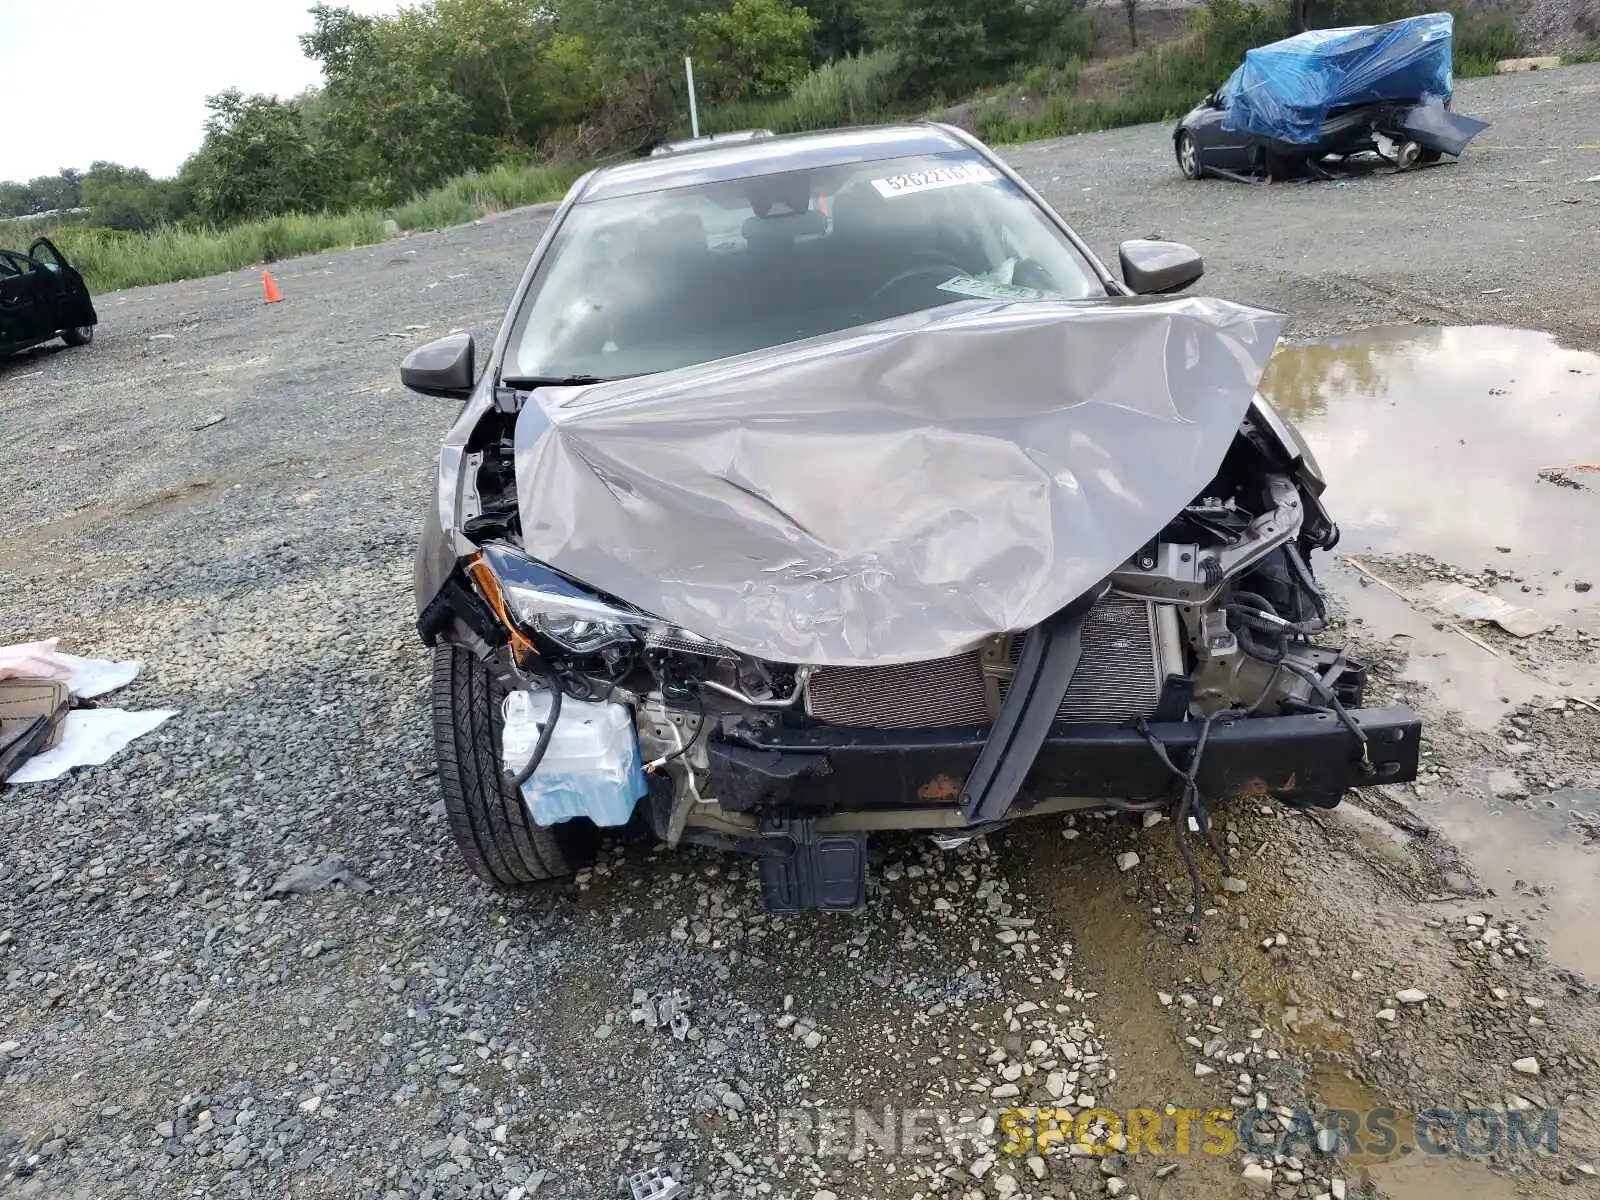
444 543
897 492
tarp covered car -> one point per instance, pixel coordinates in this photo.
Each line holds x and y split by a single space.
829 484
1331 93
42 296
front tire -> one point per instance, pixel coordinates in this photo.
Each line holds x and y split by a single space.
1188 154
487 816
81 336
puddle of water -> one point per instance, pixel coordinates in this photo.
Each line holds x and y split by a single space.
1113 948
1509 844
1433 440
1481 686
1426 1177
1404 1173
1153 1068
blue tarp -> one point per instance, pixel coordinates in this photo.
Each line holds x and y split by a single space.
1284 90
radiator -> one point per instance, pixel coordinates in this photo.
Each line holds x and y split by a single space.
1118 679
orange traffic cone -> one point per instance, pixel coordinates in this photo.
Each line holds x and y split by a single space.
273 294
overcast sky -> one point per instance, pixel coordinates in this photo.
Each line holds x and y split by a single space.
126 80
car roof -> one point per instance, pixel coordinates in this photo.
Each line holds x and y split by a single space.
769 155
707 141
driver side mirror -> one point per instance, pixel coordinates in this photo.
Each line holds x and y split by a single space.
1152 268
441 368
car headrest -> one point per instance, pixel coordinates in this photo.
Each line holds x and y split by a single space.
860 209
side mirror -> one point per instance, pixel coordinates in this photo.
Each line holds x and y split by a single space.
441 368
1153 268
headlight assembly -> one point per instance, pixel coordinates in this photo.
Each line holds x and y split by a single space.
544 603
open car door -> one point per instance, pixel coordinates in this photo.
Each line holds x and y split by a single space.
64 291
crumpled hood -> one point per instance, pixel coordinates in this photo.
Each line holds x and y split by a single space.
897 492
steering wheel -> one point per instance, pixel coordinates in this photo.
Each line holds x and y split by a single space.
944 269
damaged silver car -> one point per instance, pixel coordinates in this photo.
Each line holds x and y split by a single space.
828 484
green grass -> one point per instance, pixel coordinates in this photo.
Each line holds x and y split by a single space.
470 196
1587 54
1154 85
860 90
1481 41
1164 83
111 259
1059 94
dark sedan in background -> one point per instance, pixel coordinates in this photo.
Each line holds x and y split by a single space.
1403 134
1331 93
42 296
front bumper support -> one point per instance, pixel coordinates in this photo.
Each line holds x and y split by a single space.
1301 760
1050 655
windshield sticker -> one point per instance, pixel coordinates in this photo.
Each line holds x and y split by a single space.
989 289
937 177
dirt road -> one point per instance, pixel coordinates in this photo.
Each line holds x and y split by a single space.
230 491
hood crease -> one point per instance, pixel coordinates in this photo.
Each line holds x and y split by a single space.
897 492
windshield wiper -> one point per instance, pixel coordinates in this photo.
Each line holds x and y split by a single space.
532 381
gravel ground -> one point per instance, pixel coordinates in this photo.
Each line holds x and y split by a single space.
180 1018
1487 239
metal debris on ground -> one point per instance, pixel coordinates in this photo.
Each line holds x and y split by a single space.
658 1183
1523 618
307 878
1559 477
665 1009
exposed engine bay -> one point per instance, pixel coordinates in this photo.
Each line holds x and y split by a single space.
1219 612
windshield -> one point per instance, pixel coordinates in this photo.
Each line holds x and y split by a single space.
639 284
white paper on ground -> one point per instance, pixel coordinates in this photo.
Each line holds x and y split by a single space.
32 660
96 676
1469 604
86 677
92 736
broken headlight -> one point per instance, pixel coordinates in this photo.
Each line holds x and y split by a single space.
540 601
545 603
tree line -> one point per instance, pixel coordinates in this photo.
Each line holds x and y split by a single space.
449 86
445 87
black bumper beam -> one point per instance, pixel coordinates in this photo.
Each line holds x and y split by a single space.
1301 760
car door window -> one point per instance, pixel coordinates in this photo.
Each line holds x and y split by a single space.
14 266
44 252
20 317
